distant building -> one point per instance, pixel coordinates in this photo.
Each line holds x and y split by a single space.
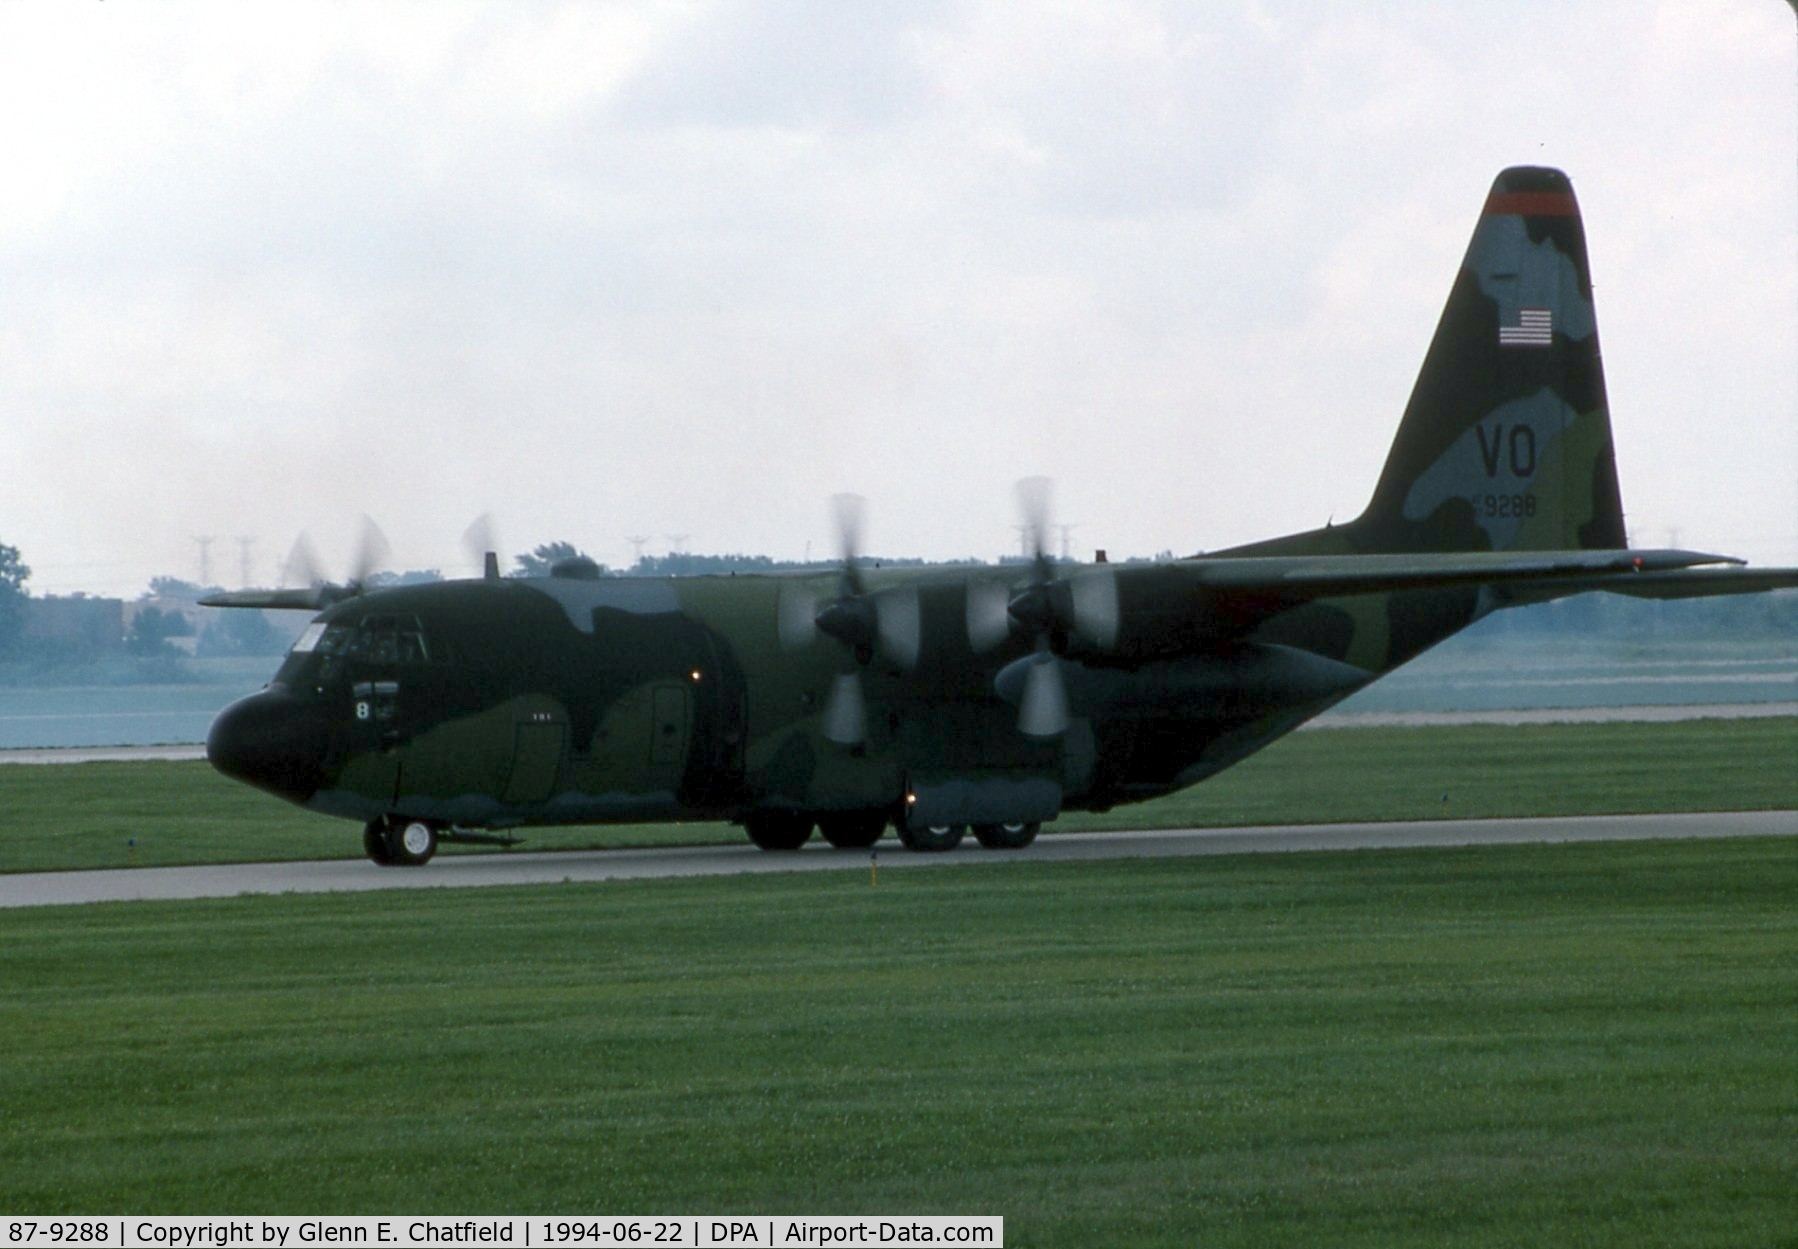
77 624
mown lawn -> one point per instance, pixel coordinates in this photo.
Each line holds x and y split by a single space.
1554 1045
117 814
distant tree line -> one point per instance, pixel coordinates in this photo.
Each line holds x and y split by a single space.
14 572
543 560
67 635
1739 616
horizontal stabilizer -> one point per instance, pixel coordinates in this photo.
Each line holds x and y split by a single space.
1689 583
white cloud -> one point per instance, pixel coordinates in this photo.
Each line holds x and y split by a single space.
609 269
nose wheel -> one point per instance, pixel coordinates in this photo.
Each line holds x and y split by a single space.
400 843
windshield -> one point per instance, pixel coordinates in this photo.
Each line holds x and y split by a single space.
379 640
308 640
388 640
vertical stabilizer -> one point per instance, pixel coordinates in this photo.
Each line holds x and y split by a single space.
1506 442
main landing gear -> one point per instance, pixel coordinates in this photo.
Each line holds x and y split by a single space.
941 837
853 830
932 839
778 830
789 830
1006 836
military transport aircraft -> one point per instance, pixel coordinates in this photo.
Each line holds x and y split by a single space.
939 699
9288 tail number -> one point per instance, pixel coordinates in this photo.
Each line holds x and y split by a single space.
1503 506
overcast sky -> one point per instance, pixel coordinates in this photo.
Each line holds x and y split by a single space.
604 270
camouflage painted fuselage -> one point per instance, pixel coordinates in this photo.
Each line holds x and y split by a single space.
502 703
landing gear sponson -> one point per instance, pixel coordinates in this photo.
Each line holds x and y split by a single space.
858 830
395 842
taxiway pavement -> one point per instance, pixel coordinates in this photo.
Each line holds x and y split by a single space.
453 871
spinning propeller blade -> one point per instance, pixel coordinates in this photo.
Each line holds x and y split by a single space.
1094 604
846 711
1043 710
796 616
866 623
988 614
302 568
898 625
304 572
372 552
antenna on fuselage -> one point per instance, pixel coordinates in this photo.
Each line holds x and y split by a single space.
481 540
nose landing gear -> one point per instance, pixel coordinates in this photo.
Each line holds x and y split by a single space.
400 843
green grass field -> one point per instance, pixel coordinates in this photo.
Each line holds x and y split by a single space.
1580 1044
1558 1045
115 814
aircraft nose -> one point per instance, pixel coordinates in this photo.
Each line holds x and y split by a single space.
271 740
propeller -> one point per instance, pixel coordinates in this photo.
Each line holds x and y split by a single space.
989 614
372 553
1043 709
304 568
305 585
1056 613
865 622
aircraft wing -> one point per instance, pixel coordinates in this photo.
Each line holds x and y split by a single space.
1301 578
1152 611
311 598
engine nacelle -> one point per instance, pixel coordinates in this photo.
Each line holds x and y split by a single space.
1253 672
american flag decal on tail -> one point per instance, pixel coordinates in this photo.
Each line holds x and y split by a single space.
1535 328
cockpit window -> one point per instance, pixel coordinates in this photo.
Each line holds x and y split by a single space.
327 640
308 641
339 639
391 640
380 641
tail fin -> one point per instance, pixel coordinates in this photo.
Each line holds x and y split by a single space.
1506 442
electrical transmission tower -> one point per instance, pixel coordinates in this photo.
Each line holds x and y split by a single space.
204 542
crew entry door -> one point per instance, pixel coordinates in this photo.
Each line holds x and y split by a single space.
539 741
